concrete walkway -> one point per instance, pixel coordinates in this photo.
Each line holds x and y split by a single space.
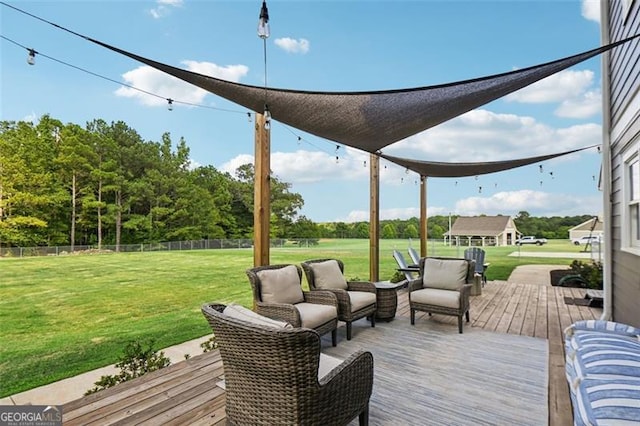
67 390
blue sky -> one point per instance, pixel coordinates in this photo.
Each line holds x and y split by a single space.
331 46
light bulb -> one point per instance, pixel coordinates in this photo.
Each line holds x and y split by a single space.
263 22
31 59
249 117
170 104
267 117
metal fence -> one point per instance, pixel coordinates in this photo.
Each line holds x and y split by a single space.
128 248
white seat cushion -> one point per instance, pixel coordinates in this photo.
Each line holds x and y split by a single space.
327 275
361 299
436 296
327 364
244 314
313 315
280 285
447 274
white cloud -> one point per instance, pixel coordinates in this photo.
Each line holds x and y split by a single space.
154 81
482 135
591 10
163 8
587 105
555 88
542 203
388 214
291 45
231 165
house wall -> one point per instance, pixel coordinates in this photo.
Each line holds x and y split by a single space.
622 114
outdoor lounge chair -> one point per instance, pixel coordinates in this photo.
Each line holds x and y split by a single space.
276 375
356 299
413 254
277 294
443 288
409 272
477 254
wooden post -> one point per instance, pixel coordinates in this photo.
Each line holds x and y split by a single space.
423 216
262 193
374 218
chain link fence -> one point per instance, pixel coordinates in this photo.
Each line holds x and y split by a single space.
130 248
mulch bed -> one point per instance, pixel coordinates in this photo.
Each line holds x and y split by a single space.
557 274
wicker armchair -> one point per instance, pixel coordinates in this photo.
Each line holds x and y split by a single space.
276 376
443 288
356 299
278 294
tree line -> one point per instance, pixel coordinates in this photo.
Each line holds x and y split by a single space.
64 184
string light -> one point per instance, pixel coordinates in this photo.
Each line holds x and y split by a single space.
31 59
401 180
170 104
476 177
365 163
540 183
540 168
267 117
406 171
249 117
337 159
599 149
263 23
299 140
479 190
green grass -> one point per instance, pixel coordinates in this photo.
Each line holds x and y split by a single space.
65 315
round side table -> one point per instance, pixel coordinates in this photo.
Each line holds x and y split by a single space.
387 299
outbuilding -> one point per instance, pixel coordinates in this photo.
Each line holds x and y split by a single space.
482 231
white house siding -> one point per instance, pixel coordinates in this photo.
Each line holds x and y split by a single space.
623 118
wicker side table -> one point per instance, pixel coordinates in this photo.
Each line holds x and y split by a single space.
387 299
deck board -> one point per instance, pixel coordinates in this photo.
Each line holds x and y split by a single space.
185 393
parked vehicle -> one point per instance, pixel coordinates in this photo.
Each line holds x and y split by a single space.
530 239
587 239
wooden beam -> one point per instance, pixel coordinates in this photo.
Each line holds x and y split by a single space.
374 218
262 193
423 216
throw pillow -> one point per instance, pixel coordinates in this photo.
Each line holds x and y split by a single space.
281 285
327 275
446 274
244 314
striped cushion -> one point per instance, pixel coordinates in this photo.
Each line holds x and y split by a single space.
606 402
603 326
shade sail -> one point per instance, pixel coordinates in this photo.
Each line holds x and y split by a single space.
440 169
369 121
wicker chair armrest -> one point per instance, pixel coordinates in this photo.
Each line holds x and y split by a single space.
362 286
358 364
465 292
347 388
415 284
321 297
280 311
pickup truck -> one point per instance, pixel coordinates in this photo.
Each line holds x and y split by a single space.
530 239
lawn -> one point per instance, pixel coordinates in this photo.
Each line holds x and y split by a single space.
64 315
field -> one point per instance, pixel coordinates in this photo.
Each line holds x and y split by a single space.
64 315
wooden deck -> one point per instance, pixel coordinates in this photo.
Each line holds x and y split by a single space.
186 392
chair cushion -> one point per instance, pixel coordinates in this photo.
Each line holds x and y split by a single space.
606 402
447 274
361 299
281 285
327 275
244 314
436 296
313 315
327 364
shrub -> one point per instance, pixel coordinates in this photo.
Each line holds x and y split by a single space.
209 345
590 271
138 359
